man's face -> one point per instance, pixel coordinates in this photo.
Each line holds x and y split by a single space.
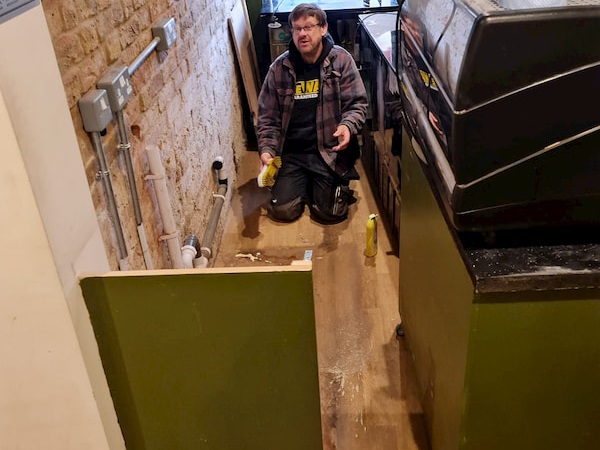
307 36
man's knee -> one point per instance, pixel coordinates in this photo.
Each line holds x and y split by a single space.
285 212
334 210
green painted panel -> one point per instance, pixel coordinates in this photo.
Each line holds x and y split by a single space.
210 361
497 371
533 378
254 7
435 305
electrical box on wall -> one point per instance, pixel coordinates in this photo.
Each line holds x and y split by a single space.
95 110
165 30
10 9
117 85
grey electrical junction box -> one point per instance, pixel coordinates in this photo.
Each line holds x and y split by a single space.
165 30
116 83
95 110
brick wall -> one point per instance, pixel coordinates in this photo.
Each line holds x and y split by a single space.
186 100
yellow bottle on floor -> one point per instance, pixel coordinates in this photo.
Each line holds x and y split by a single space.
371 244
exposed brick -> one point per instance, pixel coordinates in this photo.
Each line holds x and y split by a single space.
117 15
112 47
69 50
144 72
177 77
73 89
103 4
128 8
130 31
133 110
89 39
130 53
90 166
53 17
154 127
158 9
187 22
169 65
155 85
167 96
87 8
186 101
145 102
196 11
69 14
49 4
144 18
91 70
104 25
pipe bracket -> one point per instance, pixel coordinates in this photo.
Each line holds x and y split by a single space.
166 237
102 174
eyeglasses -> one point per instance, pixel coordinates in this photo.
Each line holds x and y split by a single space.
307 28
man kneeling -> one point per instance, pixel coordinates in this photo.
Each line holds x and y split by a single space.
310 109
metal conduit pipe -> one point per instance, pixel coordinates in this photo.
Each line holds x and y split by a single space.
137 62
190 250
104 176
125 148
166 29
165 35
211 228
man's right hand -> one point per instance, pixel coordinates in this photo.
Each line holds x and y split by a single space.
268 171
265 158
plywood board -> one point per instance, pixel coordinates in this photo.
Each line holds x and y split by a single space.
239 25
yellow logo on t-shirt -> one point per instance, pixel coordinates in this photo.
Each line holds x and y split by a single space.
307 89
428 80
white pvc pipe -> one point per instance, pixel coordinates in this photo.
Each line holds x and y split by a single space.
123 264
201 263
157 175
188 254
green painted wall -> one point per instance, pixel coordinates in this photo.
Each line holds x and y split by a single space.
254 7
210 361
533 372
509 370
435 302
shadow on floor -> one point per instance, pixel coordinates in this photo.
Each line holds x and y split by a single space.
409 390
253 199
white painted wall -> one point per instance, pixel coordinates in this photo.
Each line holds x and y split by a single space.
48 235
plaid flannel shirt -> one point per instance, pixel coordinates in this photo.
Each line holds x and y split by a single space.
342 101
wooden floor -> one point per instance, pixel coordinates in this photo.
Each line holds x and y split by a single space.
367 385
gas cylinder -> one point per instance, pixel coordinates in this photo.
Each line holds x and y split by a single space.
371 243
279 37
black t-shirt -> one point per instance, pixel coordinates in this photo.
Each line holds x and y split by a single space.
301 135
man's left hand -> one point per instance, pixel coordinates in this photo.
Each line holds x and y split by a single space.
343 136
